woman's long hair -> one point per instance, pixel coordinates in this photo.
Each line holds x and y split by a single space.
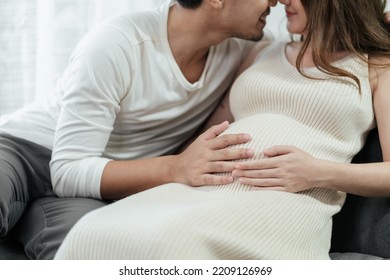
355 26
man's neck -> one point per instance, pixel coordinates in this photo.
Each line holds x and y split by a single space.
190 38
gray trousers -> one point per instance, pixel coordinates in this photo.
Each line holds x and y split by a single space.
28 206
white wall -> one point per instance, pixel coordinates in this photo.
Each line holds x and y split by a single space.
276 21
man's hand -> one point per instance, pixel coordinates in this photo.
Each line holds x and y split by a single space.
285 168
209 154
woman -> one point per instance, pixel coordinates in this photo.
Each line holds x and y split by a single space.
308 105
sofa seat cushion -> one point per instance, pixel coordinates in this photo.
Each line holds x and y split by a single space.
11 250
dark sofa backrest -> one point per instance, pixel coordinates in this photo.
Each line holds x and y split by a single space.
363 224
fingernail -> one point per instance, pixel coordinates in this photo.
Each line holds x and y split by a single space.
246 137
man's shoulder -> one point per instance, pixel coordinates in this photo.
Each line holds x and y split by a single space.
131 18
141 25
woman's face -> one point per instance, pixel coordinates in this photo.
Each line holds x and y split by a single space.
296 16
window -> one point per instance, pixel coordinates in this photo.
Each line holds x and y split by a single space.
37 37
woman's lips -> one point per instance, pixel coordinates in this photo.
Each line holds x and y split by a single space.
289 14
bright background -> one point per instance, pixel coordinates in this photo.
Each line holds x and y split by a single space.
37 37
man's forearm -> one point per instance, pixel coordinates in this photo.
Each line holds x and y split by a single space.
124 178
201 163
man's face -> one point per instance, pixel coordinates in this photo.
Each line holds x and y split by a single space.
247 18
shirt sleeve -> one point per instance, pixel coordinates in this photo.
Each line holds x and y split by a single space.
95 82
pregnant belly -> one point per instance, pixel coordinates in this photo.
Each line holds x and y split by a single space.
268 130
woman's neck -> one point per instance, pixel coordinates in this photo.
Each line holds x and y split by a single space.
293 49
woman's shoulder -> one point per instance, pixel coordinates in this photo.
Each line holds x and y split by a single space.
379 71
379 61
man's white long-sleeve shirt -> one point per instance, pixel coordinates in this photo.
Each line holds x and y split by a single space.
122 97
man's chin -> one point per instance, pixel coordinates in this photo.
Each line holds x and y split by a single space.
256 38
251 37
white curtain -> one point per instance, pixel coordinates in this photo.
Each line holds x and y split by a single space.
37 37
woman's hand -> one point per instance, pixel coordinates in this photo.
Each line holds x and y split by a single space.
285 168
209 154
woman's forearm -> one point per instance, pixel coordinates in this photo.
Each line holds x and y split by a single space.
290 169
367 179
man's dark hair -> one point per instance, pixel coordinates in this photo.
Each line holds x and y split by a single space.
190 4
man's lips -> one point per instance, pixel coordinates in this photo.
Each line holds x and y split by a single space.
263 17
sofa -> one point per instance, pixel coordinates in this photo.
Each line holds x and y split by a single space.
361 230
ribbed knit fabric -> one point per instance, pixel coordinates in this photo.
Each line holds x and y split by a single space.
271 101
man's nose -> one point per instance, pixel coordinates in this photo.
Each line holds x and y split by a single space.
272 3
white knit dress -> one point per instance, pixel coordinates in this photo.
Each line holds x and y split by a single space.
276 105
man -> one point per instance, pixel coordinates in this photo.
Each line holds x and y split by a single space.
136 89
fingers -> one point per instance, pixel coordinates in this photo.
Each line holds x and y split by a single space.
210 179
261 182
256 173
280 189
215 130
221 145
258 165
272 160
279 150
220 167
223 141
261 178
227 140
212 153
214 179
230 154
